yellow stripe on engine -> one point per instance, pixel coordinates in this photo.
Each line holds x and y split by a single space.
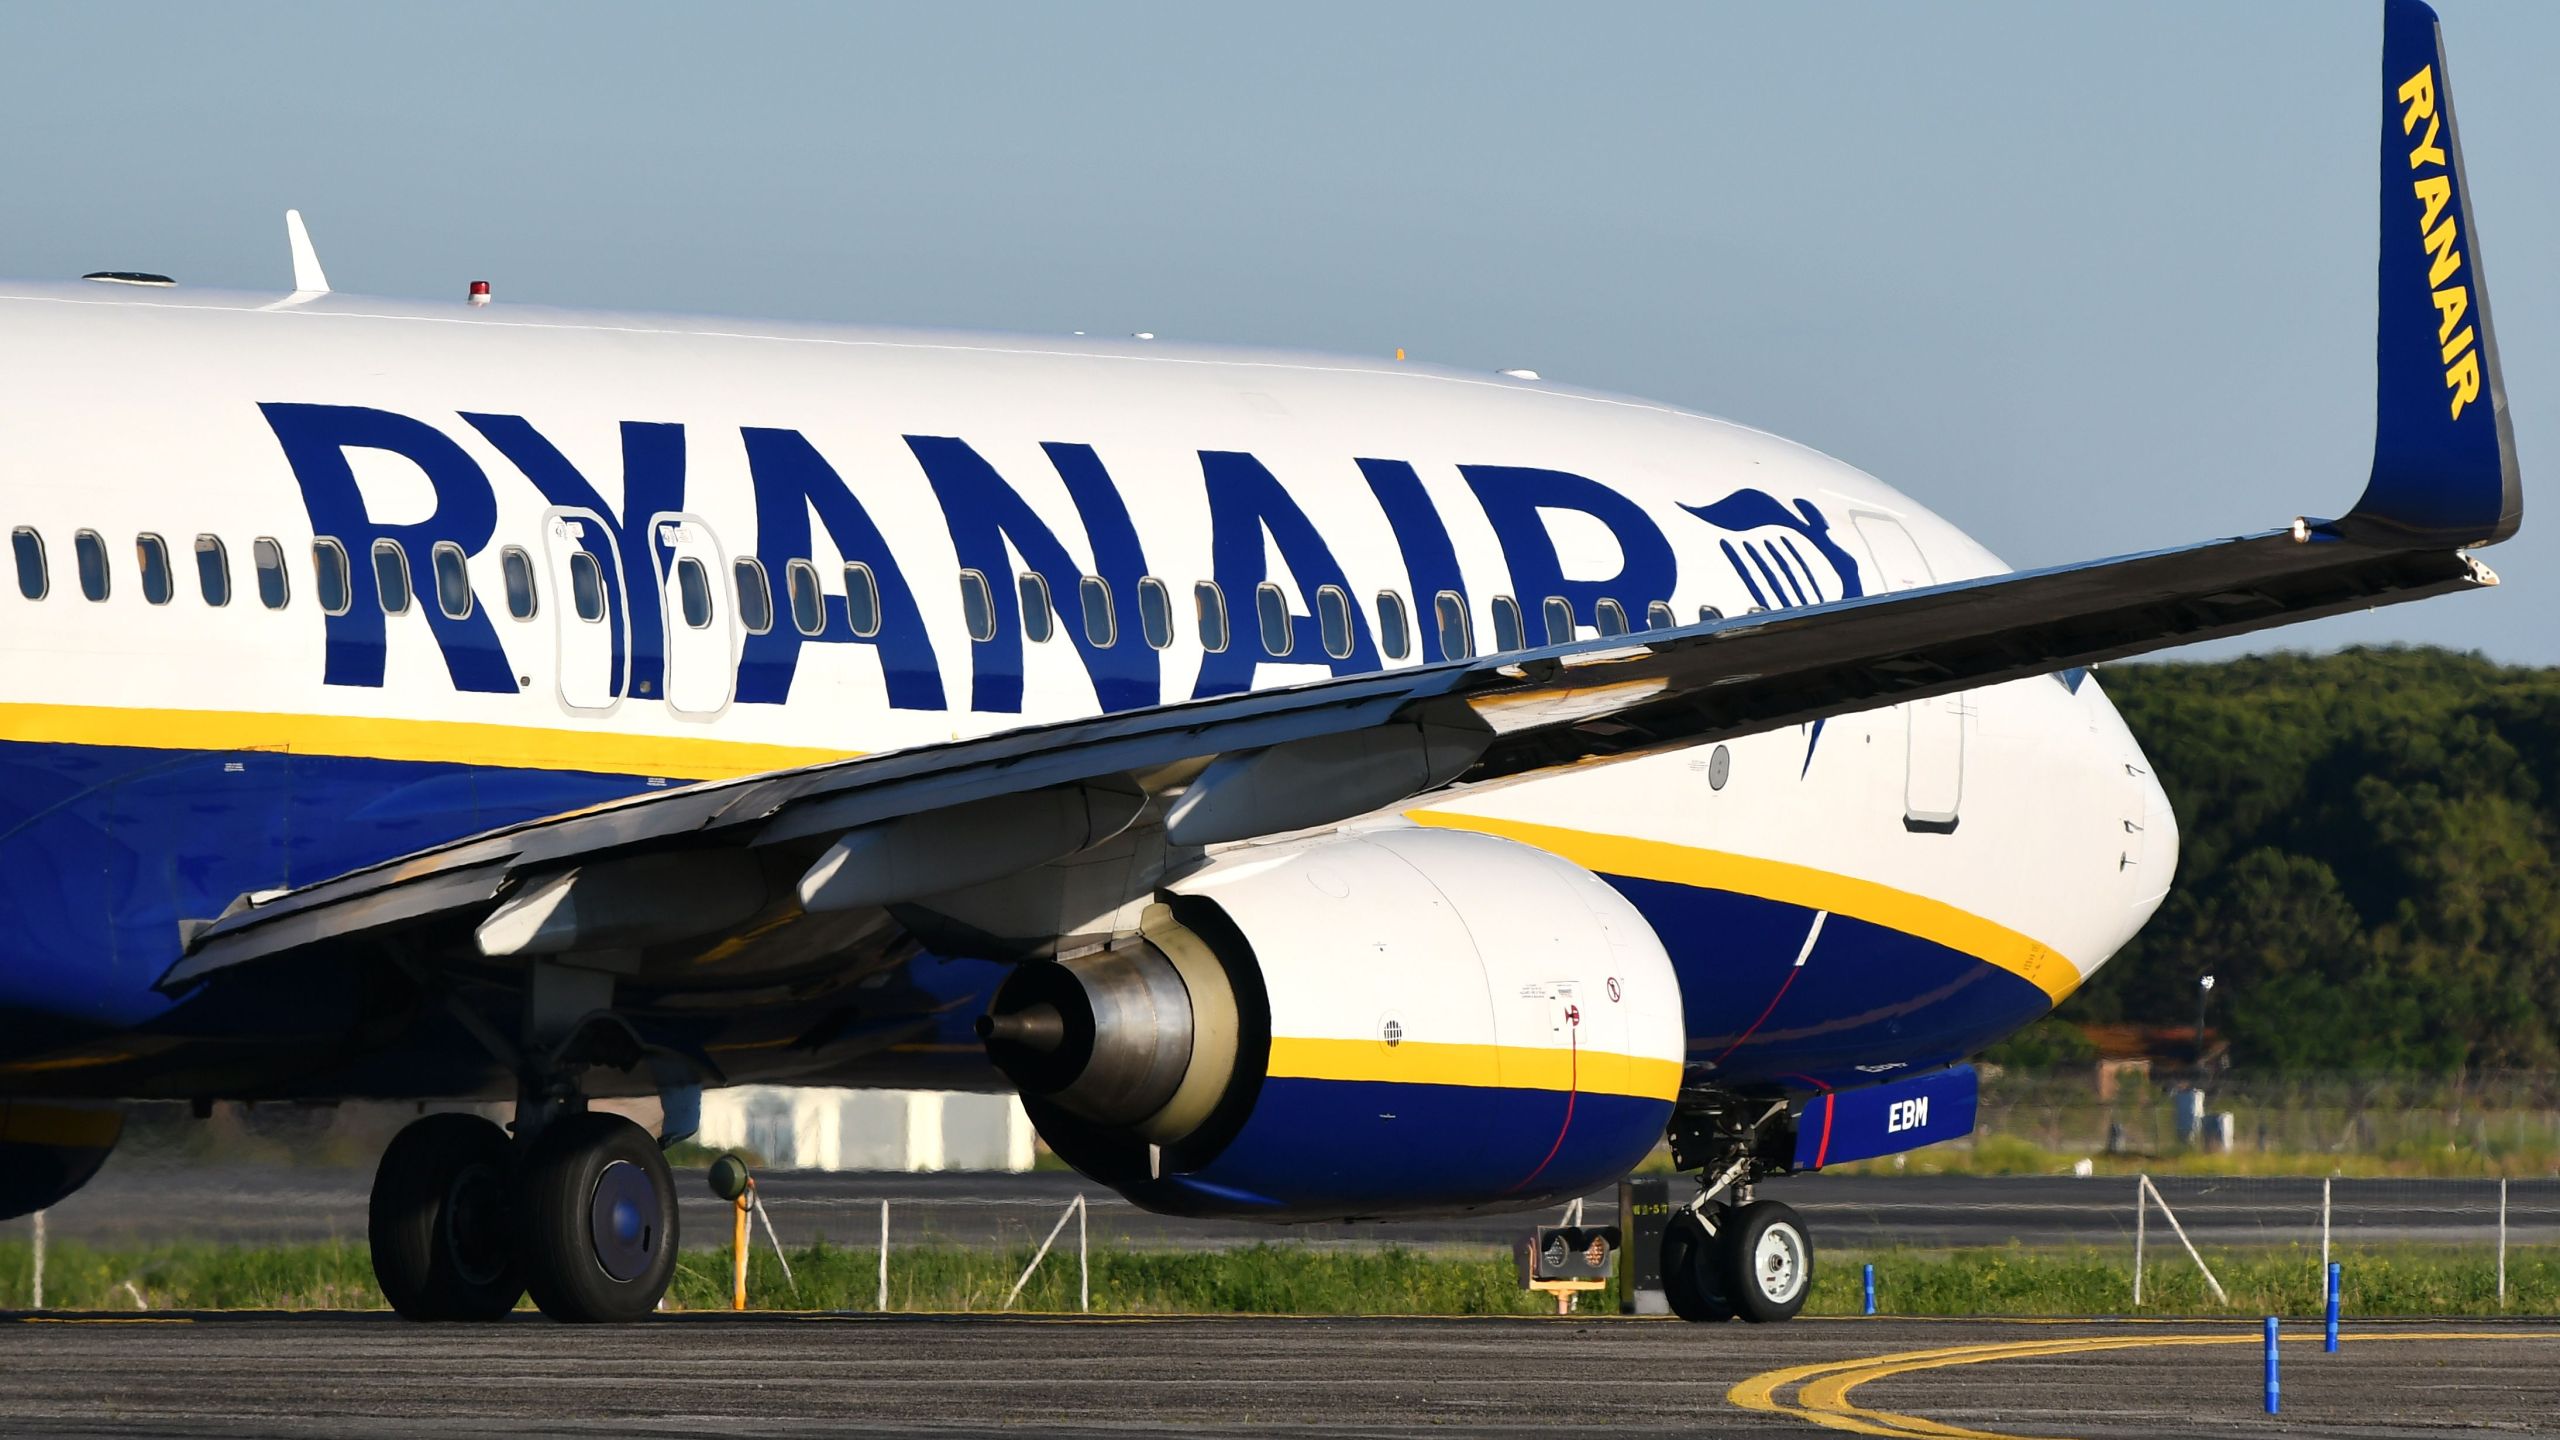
1514 1067
1919 915
451 742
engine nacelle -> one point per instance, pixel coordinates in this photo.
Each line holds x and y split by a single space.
50 1148
1395 1022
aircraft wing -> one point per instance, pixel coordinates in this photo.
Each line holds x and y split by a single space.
685 863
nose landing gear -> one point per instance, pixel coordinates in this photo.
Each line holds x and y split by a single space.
1726 1255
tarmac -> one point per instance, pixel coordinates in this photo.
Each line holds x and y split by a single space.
696 1375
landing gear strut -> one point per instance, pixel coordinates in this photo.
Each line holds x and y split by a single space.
1726 1255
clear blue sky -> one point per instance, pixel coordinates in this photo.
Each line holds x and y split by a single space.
2085 278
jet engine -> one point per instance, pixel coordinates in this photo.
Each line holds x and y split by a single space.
1391 1022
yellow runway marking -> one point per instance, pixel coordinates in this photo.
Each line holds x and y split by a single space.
1824 1396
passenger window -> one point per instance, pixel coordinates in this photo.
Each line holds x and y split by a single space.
755 595
516 568
1450 609
1610 617
92 553
693 592
808 606
1033 591
1274 610
391 576
586 586
1101 628
1392 631
275 588
453 580
1559 620
1333 621
1155 612
152 553
1659 616
1209 603
33 582
1507 632
861 601
213 570
978 605
1708 614
329 576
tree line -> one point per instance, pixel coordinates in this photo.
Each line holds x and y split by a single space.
2367 864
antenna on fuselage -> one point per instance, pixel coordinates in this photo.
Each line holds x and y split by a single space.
308 280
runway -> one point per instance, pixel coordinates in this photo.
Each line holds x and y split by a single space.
234 1375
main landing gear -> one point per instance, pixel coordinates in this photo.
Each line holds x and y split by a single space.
1726 1255
577 1207
465 1221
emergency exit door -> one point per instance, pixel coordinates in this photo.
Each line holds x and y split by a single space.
700 615
582 565
1933 729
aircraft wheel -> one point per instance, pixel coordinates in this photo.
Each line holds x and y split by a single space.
1692 1279
1767 1258
596 1220
438 1221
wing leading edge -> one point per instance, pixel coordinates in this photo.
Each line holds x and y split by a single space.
797 842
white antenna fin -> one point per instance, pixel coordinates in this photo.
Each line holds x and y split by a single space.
307 277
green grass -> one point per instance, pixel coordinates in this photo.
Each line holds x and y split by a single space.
1283 1279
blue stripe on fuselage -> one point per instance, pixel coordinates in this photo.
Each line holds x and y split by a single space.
1867 996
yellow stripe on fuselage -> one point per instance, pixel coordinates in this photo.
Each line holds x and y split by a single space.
1960 930
450 742
1510 1067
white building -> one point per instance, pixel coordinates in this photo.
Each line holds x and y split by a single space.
799 1128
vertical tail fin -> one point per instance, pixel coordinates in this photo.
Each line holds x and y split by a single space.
2444 458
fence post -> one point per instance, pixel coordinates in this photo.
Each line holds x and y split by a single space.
2141 1214
2324 1221
1084 1261
1074 1210
38 1302
883 1303
2219 1295
2502 1243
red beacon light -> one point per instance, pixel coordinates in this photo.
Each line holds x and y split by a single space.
479 292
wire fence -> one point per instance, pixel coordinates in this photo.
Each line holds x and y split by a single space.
2506 1121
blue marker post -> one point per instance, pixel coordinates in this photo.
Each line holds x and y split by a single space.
2273 1389
1871 1294
2330 1343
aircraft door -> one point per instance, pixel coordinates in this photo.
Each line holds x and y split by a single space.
1933 768
582 563
700 616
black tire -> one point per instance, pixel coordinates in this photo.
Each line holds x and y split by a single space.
1768 1261
596 1220
1692 1279
440 1221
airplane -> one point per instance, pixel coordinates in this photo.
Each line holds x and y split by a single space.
1318 786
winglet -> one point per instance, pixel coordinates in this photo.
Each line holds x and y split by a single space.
307 277
2444 454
